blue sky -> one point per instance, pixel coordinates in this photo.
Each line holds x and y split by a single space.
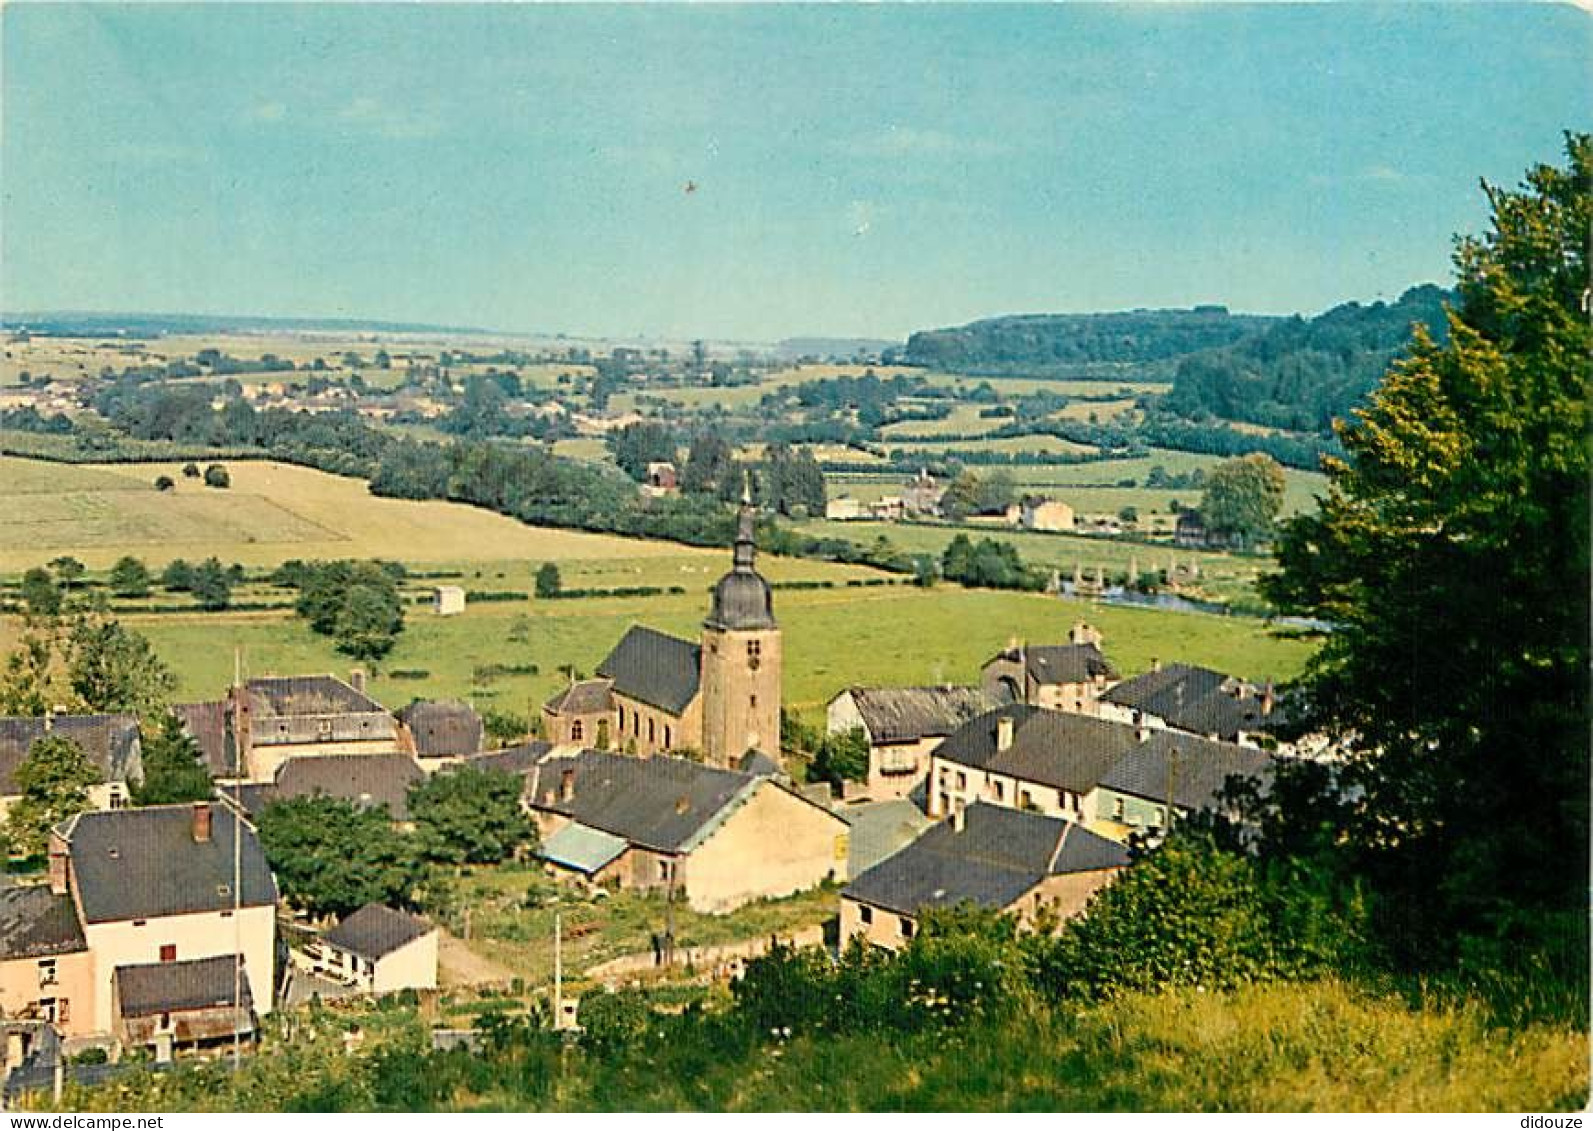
858 170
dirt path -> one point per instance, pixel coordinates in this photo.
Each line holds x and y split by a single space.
458 965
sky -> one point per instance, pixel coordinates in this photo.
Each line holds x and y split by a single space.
755 172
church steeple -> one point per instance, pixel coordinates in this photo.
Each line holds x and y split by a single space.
742 599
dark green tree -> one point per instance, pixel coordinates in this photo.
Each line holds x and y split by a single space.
331 857
190 471
40 592
53 781
841 757
211 585
1242 499
129 578
548 580
177 577
216 476
68 571
637 445
470 816
1451 554
369 621
174 771
112 668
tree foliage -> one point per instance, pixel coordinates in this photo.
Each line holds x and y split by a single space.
1452 555
470 816
1243 498
129 577
53 781
331 857
356 603
40 592
174 770
112 668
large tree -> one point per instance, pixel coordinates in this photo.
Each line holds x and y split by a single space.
54 781
332 857
470 816
173 769
1451 553
1242 499
112 668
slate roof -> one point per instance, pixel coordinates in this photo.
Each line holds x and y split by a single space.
206 724
1053 748
1060 663
512 759
442 727
999 855
655 668
172 987
582 848
375 931
759 765
588 697
294 695
367 780
1196 767
1198 700
659 803
145 863
34 923
908 714
110 741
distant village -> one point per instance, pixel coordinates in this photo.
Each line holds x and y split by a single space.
161 930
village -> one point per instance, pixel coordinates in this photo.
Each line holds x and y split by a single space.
161 932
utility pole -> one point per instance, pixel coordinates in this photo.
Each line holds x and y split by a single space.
237 875
558 971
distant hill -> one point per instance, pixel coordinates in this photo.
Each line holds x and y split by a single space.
841 348
96 324
1300 373
1042 343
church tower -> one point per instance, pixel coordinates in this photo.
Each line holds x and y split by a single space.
741 660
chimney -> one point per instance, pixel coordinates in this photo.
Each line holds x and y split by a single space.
356 679
959 817
567 785
1156 665
1004 732
1268 699
60 867
201 812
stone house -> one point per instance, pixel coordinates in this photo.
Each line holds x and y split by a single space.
844 508
377 950
441 728
1197 701
110 742
1045 515
583 714
448 600
903 725
1021 863
155 886
1064 677
720 838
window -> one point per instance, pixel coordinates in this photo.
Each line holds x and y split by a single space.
907 927
575 731
652 732
754 649
1117 809
139 922
168 952
47 972
962 780
63 1011
754 702
865 915
669 737
622 720
1001 791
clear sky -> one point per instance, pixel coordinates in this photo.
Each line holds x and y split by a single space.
857 170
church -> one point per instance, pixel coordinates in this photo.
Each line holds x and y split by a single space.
656 693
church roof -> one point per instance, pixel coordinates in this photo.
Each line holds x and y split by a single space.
742 598
655 668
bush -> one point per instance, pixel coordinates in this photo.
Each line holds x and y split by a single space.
216 476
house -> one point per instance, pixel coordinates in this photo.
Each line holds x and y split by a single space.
720 837
156 885
1067 677
583 713
1191 533
887 508
719 696
922 496
46 971
377 950
110 742
903 724
441 728
1021 863
520 759
662 479
367 781
1045 515
266 721
844 508
448 600
1077 767
1195 700
190 1004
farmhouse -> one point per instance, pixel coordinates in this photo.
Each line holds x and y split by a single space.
441 728
1045 515
266 721
720 696
844 508
155 885
1195 700
721 837
902 724
1067 677
377 950
1102 774
990 856
110 742
46 970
